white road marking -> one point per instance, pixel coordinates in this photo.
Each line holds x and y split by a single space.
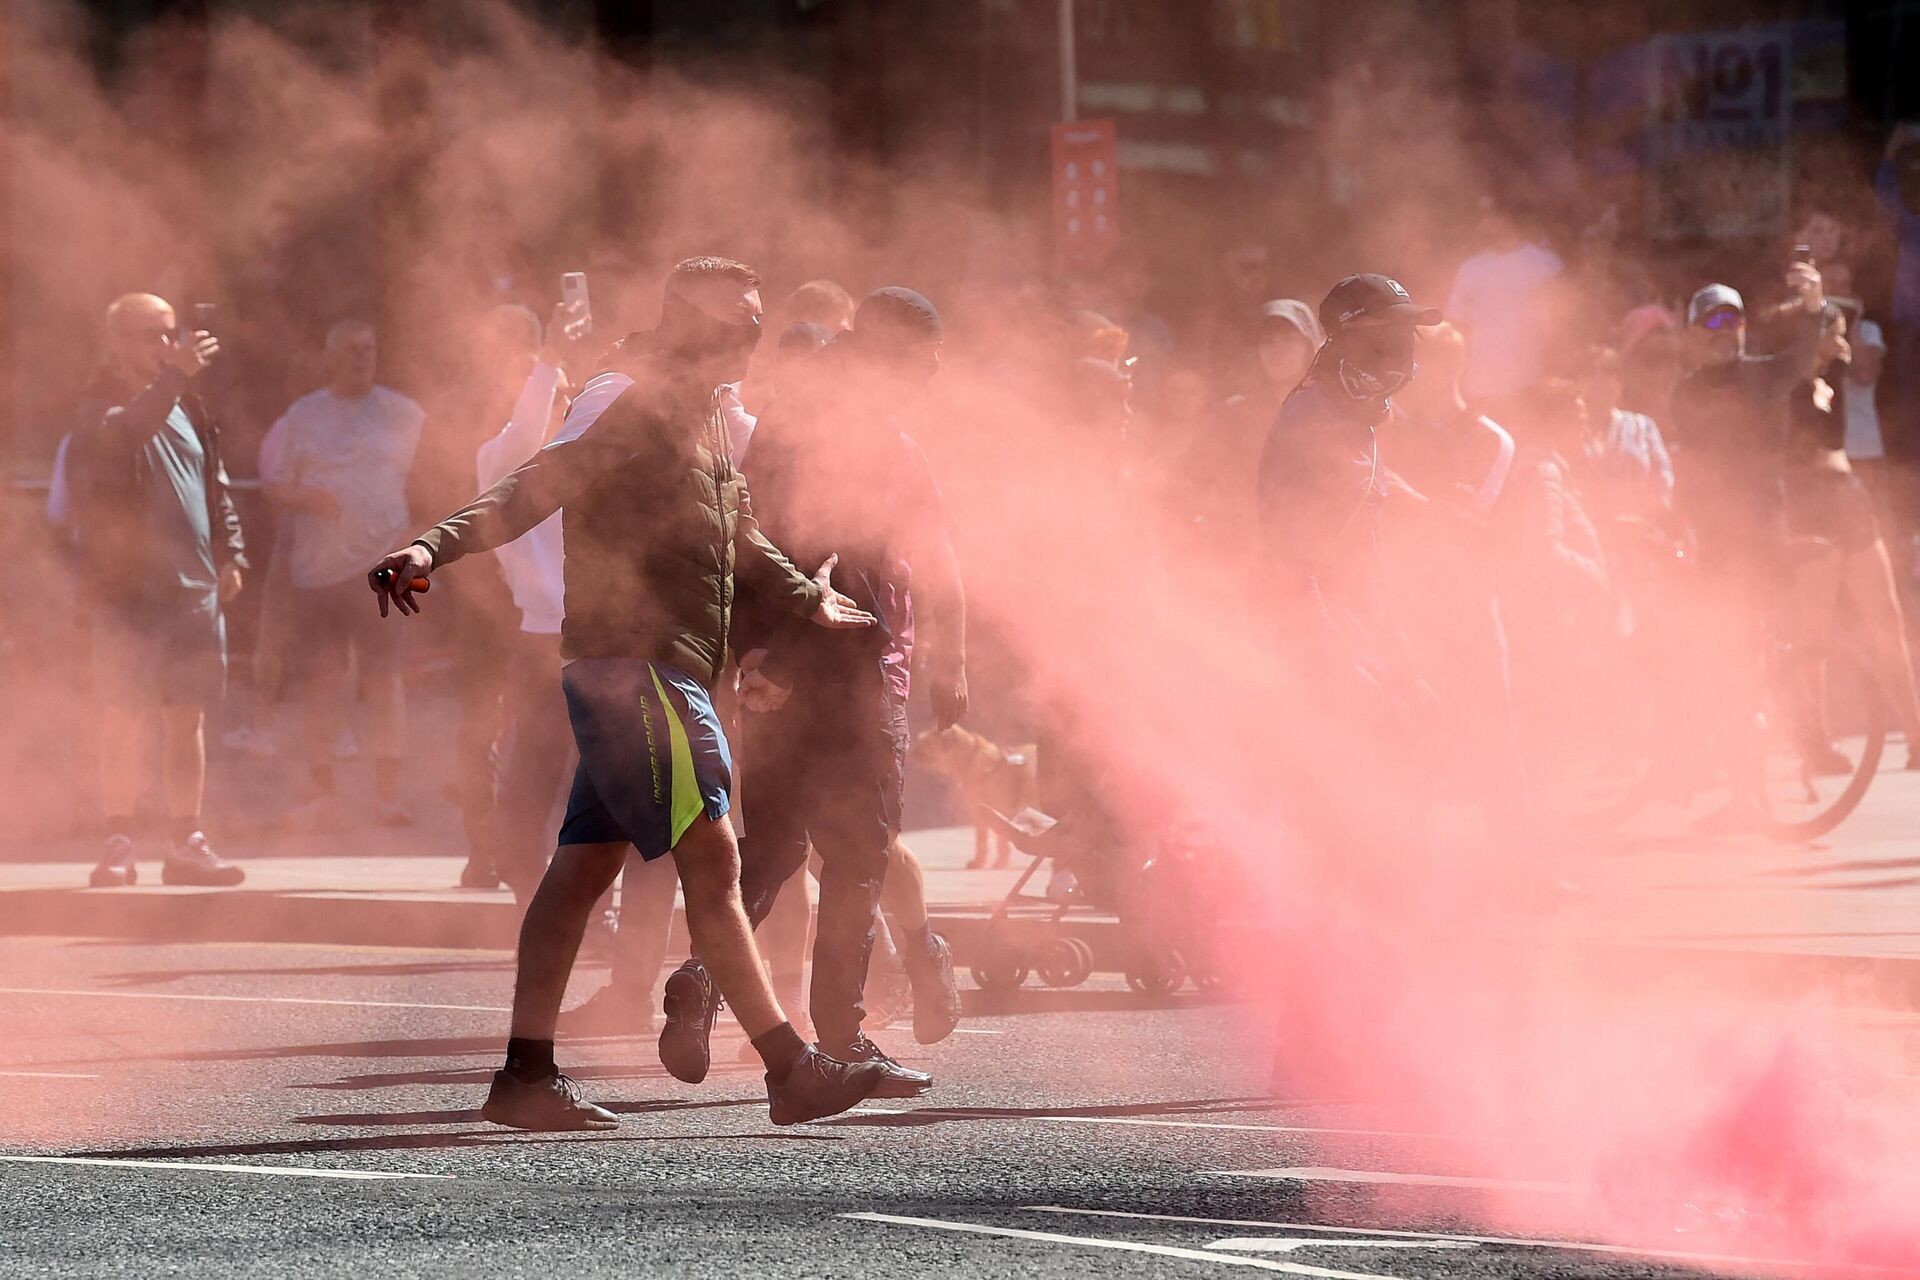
976 1031
50 1075
1388 1178
1129 1246
964 1113
183 995
277 1170
1517 1242
1289 1244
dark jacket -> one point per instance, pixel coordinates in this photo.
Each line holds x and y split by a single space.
656 517
836 480
115 421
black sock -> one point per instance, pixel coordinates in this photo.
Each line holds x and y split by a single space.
779 1048
530 1060
180 828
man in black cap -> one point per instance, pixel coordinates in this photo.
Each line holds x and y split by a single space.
826 724
1321 481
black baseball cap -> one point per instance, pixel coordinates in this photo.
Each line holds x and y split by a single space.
1371 296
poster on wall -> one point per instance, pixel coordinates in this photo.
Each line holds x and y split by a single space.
1719 133
1086 192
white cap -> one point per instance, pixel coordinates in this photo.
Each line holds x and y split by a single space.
1713 298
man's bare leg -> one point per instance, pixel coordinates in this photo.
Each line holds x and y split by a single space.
529 1092
904 895
928 958
709 861
550 935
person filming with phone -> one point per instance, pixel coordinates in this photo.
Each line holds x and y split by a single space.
160 555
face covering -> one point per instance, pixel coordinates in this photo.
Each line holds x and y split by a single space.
1374 363
698 337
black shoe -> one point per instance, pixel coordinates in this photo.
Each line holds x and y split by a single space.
819 1086
614 1010
551 1105
479 874
116 867
193 861
896 1081
936 992
690 1004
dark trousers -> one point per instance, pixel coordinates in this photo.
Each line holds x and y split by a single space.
828 768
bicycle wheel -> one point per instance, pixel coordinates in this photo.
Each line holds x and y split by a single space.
1825 731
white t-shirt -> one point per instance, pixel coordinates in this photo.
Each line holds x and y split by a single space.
359 450
1863 415
1497 301
534 561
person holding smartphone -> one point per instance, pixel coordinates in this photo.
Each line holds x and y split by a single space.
161 554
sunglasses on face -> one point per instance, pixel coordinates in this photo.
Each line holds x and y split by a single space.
1722 320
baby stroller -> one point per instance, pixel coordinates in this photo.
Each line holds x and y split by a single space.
1166 902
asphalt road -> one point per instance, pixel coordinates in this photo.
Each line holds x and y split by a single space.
302 1111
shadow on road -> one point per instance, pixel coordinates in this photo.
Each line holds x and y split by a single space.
398 1118
948 1115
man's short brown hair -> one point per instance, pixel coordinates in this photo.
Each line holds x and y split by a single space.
688 270
823 302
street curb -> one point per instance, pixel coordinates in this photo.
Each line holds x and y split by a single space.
489 922
375 919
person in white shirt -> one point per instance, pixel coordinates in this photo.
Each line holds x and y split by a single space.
1862 440
336 464
1502 300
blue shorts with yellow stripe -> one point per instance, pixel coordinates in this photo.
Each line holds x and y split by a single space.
653 757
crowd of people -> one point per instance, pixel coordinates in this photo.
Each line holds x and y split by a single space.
706 569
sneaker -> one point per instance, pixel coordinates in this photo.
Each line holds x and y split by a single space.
394 814
479 873
193 861
936 992
552 1105
889 998
896 1081
613 1010
116 866
819 1086
690 1004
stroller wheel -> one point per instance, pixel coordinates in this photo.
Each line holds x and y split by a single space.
1086 956
1065 962
1157 972
1002 974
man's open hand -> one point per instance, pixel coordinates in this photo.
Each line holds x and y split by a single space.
393 578
835 610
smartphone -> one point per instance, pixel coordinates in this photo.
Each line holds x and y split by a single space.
204 316
573 290
1803 253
